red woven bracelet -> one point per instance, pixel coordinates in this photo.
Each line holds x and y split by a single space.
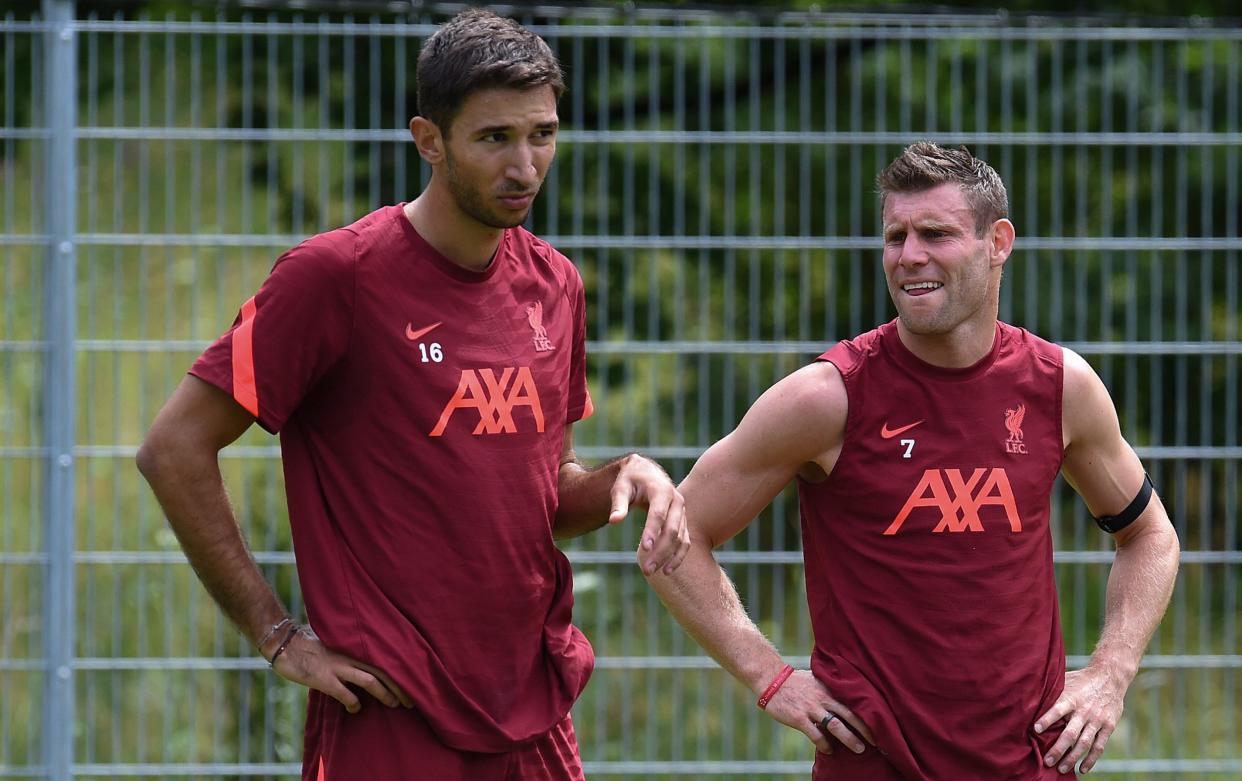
774 686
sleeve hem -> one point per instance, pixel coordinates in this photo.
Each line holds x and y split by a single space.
225 386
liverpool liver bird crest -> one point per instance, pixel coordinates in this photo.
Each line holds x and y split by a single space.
534 316
1013 422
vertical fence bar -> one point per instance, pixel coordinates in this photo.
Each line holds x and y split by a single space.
1207 413
1181 389
855 210
678 693
115 679
600 393
8 512
348 177
1232 331
92 415
729 163
629 368
38 118
1155 226
59 327
654 265
146 284
169 330
218 262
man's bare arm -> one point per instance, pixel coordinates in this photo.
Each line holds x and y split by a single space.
589 498
796 424
1106 472
180 459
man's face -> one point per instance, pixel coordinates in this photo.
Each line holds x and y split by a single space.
498 152
939 274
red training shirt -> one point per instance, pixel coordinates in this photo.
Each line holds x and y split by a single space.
929 557
421 409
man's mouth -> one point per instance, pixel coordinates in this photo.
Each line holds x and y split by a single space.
517 200
921 288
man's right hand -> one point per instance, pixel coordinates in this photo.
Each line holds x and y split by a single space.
802 702
306 660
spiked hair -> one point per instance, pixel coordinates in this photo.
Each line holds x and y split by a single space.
924 165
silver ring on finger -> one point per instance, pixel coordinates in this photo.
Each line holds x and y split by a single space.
826 720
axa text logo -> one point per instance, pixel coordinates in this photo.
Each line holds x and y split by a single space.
959 499
495 399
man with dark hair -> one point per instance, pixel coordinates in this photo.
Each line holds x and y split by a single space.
424 367
479 49
925 453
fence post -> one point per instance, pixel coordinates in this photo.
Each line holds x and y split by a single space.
59 331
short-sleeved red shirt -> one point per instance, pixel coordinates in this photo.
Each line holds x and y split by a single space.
421 409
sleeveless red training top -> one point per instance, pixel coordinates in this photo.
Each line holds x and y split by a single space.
929 558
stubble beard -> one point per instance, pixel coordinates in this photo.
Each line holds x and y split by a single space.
474 205
960 305
924 326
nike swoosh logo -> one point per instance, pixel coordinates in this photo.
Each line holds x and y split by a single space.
414 336
889 433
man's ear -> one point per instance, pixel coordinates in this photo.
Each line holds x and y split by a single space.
428 139
1000 241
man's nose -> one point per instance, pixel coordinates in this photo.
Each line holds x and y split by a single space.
522 165
913 252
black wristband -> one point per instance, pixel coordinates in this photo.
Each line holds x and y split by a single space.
1115 523
293 630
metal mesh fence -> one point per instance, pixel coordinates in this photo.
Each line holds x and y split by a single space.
714 186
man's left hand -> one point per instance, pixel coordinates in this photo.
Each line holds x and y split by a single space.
665 539
1092 700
